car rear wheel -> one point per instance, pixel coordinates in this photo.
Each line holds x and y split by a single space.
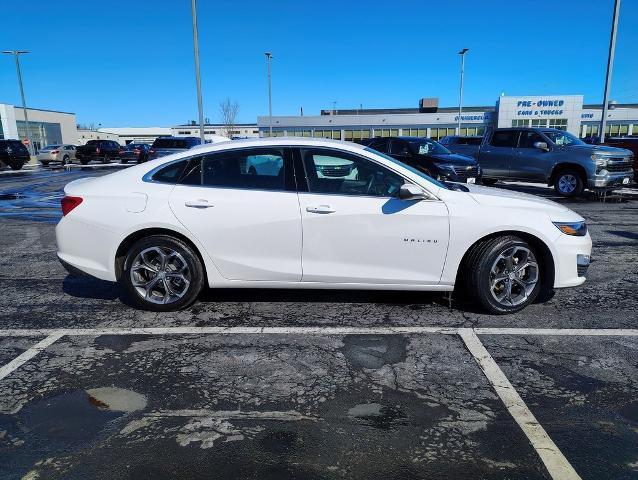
489 181
162 273
84 161
503 274
569 183
16 166
65 160
106 159
45 164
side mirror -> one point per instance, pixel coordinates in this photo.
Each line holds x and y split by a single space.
409 191
541 146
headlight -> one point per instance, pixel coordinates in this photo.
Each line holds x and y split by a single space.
575 229
444 166
600 161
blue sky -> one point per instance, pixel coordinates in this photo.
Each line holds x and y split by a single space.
130 63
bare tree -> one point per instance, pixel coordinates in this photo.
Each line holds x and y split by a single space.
229 110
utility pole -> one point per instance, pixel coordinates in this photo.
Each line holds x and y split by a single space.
462 53
16 54
269 59
197 74
610 66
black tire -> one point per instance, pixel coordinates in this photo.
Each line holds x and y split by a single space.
45 164
195 271
16 166
488 181
478 274
569 183
106 159
84 161
65 160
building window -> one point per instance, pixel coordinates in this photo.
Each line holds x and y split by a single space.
437 133
559 123
618 129
520 123
472 131
41 133
539 123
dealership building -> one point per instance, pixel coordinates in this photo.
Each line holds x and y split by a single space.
566 112
46 127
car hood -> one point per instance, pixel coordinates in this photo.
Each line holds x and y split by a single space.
497 197
453 159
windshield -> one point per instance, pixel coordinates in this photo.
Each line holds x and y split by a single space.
563 138
425 146
413 170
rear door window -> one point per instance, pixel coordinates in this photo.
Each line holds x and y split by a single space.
504 138
528 139
249 169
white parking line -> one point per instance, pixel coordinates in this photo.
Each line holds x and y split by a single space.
40 332
555 462
28 355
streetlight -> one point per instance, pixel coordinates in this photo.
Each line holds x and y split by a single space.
16 54
197 75
462 53
610 65
269 57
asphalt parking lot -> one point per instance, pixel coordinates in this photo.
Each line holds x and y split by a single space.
312 384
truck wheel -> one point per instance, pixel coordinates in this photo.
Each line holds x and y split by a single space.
106 159
16 166
503 274
84 161
569 183
45 164
489 181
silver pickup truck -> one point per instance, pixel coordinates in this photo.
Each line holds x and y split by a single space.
548 155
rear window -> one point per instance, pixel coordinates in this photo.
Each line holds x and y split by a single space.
470 141
93 142
170 173
18 146
184 143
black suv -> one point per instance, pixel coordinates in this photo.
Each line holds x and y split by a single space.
430 157
166 145
13 153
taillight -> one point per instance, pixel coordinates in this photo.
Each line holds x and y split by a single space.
151 151
69 203
137 151
97 150
55 151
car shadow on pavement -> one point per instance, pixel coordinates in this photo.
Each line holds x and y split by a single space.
92 288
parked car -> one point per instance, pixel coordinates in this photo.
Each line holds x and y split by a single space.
137 152
201 219
13 154
628 143
61 154
430 157
554 157
163 146
100 150
464 145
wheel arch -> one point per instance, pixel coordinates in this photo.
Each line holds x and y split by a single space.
127 242
548 270
561 167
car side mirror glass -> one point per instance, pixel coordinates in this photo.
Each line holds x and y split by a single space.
541 146
409 191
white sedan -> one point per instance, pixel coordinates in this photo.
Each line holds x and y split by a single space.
204 217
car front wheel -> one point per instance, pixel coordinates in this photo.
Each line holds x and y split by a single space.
503 274
162 273
569 183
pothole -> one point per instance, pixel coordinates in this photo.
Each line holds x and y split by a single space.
116 399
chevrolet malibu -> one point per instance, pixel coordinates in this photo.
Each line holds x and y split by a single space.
263 213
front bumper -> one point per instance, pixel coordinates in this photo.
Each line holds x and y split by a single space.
571 260
461 174
611 179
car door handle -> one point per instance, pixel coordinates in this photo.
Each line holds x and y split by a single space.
320 209
198 203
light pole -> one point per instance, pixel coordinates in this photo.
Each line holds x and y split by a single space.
610 65
269 58
197 75
16 54
462 53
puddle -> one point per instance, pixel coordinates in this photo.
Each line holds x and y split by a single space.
119 343
373 352
630 412
378 416
116 399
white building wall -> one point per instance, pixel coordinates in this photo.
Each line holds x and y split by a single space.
67 122
569 107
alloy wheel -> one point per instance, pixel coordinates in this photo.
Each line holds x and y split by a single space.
160 275
513 276
567 183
